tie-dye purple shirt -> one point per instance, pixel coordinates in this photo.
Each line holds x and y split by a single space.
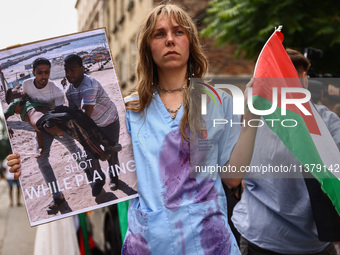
176 214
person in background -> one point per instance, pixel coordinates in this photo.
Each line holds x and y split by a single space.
11 182
2 172
336 109
57 237
330 96
274 215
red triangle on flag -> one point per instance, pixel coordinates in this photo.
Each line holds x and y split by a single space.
275 69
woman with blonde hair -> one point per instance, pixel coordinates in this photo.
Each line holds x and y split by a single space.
176 214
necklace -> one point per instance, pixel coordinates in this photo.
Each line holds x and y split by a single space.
172 90
173 113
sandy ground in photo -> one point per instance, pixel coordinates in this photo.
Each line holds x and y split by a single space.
78 198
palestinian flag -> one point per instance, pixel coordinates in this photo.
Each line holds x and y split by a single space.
309 140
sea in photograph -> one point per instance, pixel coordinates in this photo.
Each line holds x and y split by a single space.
17 63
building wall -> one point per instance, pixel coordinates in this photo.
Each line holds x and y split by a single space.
90 14
126 17
122 19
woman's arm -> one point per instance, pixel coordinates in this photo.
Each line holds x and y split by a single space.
243 150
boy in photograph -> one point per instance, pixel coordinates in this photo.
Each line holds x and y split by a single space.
41 90
86 93
29 112
59 120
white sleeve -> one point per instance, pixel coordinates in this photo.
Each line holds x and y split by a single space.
25 86
58 94
332 122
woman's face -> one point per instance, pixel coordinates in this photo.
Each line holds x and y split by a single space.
169 44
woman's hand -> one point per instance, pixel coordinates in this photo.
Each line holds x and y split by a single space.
13 161
249 85
249 115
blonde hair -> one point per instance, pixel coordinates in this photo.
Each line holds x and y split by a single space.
148 79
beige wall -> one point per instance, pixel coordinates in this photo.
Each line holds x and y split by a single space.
90 14
126 21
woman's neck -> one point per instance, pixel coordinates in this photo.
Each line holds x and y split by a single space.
172 79
171 89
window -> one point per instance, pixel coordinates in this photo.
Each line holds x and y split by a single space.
130 5
123 66
133 59
115 23
122 14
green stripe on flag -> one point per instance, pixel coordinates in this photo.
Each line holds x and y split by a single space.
123 219
300 143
